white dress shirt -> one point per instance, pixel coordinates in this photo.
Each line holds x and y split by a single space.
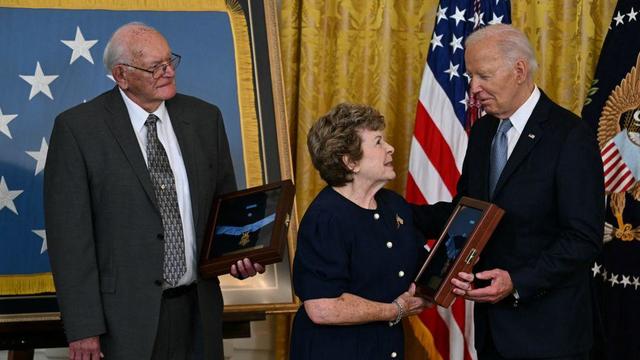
168 139
519 119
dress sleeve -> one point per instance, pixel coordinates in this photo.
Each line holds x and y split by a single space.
321 266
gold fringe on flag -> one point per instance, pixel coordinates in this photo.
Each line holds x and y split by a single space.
418 340
26 284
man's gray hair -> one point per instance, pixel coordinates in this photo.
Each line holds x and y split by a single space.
512 43
118 49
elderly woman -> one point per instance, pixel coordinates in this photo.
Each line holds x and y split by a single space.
357 248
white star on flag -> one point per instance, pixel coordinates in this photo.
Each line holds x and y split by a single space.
456 43
619 19
452 71
4 123
39 82
626 280
442 14
465 101
7 196
632 15
477 19
496 19
459 15
43 235
435 41
80 47
40 156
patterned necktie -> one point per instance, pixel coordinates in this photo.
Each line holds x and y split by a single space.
165 189
499 148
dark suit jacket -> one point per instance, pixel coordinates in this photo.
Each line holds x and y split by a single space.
552 191
104 227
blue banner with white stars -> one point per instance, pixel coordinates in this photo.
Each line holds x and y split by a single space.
51 61
612 107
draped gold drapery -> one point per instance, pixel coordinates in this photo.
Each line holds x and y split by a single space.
374 51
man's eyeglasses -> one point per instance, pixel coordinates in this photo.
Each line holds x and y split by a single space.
159 70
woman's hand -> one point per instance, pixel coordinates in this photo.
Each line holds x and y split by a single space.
411 304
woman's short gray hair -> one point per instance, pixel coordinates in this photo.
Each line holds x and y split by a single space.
513 44
118 49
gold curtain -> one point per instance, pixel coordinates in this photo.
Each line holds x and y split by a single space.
373 52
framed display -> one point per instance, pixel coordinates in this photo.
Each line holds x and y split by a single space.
230 57
467 231
250 223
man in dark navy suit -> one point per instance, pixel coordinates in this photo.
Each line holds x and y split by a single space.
541 164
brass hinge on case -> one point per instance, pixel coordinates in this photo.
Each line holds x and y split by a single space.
471 256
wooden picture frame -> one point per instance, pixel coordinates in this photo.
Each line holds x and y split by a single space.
249 223
467 231
264 137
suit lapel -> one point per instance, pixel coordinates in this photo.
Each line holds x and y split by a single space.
530 136
123 131
186 139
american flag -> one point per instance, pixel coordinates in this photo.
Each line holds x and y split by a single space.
51 61
443 118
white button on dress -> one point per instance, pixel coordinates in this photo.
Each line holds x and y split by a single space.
376 216
400 273
389 244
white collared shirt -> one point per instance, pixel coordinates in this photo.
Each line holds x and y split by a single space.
519 119
167 137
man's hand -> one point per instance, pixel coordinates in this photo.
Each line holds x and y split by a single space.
501 286
243 269
462 283
85 349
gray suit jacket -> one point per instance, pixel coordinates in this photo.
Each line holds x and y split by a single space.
104 227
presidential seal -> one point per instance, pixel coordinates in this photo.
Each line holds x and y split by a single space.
619 140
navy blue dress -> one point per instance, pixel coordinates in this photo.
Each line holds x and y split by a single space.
343 248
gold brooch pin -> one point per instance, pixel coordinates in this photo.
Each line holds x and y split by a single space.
399 221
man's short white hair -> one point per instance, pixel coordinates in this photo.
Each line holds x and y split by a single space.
118 50
512 43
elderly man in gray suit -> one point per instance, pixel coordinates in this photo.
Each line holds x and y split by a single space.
129 182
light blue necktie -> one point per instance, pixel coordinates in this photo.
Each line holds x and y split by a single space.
499 148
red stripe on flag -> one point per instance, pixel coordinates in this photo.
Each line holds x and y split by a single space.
611 164
614 174
439 329
414 195
460 315
606 149
436 148
624 181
